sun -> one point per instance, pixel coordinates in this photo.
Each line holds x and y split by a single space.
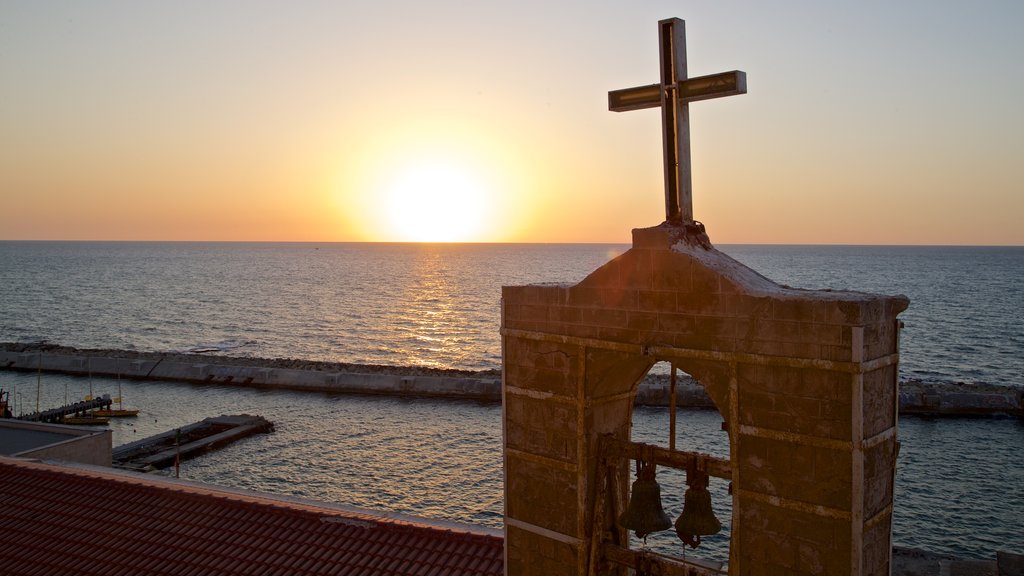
436 200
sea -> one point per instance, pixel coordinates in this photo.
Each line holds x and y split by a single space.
960 482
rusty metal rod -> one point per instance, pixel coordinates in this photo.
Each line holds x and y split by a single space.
672 409
615 448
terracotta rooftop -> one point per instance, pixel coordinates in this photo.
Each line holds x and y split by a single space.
88 520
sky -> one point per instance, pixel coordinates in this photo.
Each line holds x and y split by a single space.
871 122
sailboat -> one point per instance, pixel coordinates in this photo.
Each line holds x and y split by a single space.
120 411
86 419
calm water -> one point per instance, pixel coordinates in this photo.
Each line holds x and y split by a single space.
438 305
959 484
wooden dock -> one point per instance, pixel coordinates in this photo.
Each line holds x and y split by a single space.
56 415
159 451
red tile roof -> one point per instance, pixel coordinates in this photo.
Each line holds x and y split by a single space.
86 520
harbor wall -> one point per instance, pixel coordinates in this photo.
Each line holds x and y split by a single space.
926 399
255 373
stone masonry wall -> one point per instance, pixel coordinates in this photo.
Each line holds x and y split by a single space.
806 381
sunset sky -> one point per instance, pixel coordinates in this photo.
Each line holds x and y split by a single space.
864 122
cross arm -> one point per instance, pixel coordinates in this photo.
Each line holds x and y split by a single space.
690 90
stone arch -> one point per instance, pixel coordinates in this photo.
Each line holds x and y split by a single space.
805 379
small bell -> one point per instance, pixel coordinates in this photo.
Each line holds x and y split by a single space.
644 513
697 518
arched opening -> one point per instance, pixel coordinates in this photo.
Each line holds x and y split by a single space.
806 382
699 427
677 416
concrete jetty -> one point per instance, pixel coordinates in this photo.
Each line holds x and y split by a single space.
918 398
257 373
159 451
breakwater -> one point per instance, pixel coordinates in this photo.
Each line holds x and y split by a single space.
276 373
916 397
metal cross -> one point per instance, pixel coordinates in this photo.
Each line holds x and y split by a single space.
674 94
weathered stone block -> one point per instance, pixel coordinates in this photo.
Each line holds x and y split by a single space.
708 304
610 373
705 280
753 307
723 328
583 296
533 294
541 426
607 275
566 314
618 334
673 272
677 323
879 463
879 403
698 340
781 348
530 554
791 541
623 298
877 547
796 310
639 320
542 380
803 401
542 495
637 271
539 354
605 317
879 340
807 474
656 301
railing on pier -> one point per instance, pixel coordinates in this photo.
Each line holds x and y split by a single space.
55 415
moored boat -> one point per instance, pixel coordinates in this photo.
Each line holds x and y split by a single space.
120 411
86 420
115 412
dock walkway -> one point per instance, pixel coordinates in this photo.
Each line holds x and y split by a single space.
159 451
56 415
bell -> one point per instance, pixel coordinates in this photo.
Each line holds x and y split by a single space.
697 518
644 513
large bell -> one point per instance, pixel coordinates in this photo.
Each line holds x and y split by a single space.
644 513
697 518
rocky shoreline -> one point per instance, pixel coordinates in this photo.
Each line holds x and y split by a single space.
916 397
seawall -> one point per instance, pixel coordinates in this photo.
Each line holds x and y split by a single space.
258 373
926 399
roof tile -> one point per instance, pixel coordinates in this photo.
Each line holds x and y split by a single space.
88 521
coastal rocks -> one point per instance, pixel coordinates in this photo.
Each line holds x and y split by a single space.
46 348
960 399
913 562
915 397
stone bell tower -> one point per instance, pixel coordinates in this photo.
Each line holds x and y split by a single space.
805 380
